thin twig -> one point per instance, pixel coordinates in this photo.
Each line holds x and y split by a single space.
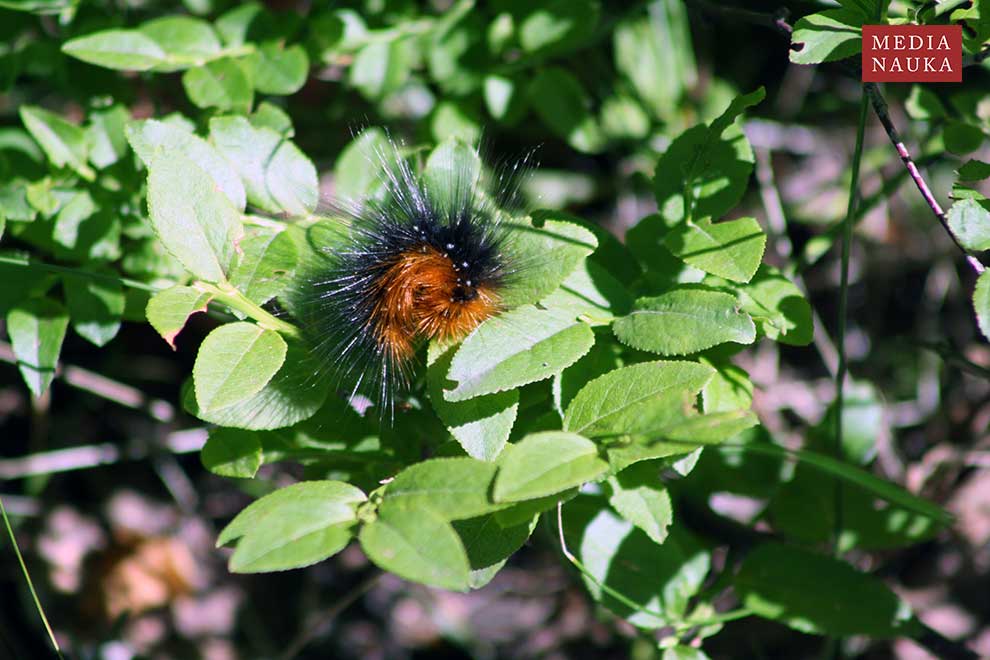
776 21
777 224
28 262
679 627
774 207
89 456
880 109
30 584
942 647
325 618
103 387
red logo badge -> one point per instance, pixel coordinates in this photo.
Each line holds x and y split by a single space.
912 53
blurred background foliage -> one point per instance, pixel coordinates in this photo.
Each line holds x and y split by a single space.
116 516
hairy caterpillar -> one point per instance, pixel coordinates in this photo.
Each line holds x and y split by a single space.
425 259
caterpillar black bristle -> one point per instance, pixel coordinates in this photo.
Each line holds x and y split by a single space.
423 260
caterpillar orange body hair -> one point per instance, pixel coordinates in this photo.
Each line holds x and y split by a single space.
416 263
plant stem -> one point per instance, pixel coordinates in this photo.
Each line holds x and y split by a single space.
228 295
880 109
840 375
223 293
833 645
27 578
28 262
679 626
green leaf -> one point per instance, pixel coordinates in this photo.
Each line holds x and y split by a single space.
563 105
256 513
245 21
417 545
961 137
64 143
95 306
198 225
591 294
601 359
234 363
778 307
706 169
659 69
380 68
480 425
265 265
83 231
232 453
105 135
640 497
488 544
457 56
358 172
42 198
516 348
292 395
452 171
557 26
800 589
271 116
454 488
853 475
710 428
681 652
656 582
125 50
684 321
524 512
974 170
222 84
827 36
725 468
21 283
981 303
679 437
41 7
635 398
188 41
279 70
337 32
623 118
729 389
15 204
547 463
867 9
547 250
293 527
150 137
36 329
277 175
804 509
969 221
611 254
924 104
458 119
505 99
731 249
862 422
168 310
